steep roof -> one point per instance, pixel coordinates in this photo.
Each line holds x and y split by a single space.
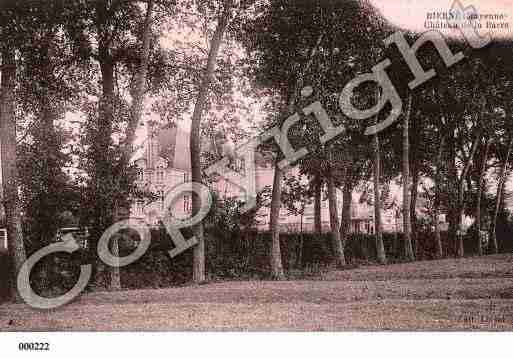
174 147
172 144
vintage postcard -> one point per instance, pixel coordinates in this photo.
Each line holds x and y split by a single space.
255 166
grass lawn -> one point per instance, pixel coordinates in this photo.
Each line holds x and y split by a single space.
471 293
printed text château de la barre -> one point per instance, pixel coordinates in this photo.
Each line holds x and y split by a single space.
446 20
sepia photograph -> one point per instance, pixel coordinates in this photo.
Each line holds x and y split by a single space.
284 167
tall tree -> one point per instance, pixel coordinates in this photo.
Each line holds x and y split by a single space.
140 78
480 189
345 222
225 11
107 35
276 262
338 247
48 77
136 107
461 192
10 180
406 183
274 215
437 199
494 247
377 202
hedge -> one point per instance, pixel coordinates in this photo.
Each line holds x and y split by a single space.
232 256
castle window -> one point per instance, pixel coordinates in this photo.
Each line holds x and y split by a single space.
140 207
140 174
239 163
160 176
187 204
3 238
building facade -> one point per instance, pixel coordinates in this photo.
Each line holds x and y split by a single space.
164 162
161 166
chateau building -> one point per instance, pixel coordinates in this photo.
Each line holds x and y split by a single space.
164 162
162 165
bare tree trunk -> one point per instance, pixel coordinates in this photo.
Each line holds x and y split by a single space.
380 248
12 205
461 192
105 208
453 184
406 184
494 247
480 188
299 261
198 230
247 243
345 225
115 272
276 262
103 179
139 84
46 134
438 238
317 204
338 248
413 208
413 154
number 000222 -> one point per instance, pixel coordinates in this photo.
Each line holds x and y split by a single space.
33 346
